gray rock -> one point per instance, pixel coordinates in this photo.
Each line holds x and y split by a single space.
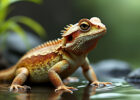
134 76
15 42
15 46
108 70
112 68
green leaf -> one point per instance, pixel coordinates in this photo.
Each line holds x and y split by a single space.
3 14
3 9
11 25
30 23
4 27
3 41
34 1
6 3
19 31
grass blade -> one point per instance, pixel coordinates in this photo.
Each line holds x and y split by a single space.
12 26
30 23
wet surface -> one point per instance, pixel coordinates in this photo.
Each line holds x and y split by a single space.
118 91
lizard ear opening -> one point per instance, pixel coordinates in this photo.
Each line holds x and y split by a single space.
70 38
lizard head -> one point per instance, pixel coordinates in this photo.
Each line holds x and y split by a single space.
82 37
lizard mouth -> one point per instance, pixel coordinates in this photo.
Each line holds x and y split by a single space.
97 34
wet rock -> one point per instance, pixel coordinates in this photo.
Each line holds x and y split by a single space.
134 76
15 46
112 68
108 70
16 43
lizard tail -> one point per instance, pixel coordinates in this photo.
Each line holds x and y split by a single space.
7 74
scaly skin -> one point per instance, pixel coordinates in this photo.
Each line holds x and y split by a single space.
58 59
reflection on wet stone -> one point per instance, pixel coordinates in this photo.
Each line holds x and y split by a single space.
120 91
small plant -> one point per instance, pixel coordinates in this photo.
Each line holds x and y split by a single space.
11 24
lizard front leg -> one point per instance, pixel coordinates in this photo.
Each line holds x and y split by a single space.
90 74
21 76
56 80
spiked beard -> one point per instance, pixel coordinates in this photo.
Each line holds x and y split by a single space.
83 45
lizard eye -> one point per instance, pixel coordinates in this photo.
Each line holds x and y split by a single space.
85 26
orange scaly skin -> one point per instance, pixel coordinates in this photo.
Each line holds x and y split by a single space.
58 59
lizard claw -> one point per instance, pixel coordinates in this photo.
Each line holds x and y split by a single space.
17 88
65 89
97 84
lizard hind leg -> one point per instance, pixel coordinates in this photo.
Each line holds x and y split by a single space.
21 76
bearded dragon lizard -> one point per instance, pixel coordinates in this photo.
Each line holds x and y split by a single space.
56 60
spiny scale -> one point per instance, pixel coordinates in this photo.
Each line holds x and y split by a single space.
52 42
49 43
66 28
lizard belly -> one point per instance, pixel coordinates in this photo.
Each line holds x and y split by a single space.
40 73
68 72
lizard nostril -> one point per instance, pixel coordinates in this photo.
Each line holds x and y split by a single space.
98 26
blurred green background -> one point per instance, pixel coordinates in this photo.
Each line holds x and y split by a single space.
121 17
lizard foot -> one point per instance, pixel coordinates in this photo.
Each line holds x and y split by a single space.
97 84
65 89
17 88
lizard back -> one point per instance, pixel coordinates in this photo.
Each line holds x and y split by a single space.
44 49
40 59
